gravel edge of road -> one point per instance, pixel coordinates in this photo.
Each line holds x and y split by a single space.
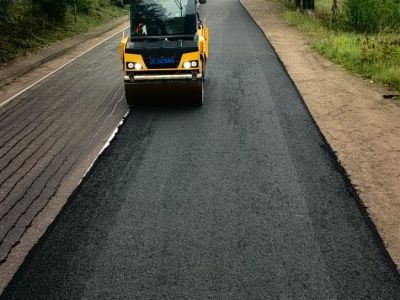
348 173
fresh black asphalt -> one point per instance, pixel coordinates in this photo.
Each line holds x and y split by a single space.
239 199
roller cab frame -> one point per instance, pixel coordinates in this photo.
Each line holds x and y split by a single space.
165 55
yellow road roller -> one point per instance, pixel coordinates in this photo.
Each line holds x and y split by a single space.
165 55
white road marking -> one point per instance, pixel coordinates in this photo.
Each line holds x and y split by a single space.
58 69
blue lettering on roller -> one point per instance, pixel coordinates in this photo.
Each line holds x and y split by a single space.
162 61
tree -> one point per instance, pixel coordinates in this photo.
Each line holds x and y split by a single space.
305 5
308 4
335 10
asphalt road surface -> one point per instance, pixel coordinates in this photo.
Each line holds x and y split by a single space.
239 199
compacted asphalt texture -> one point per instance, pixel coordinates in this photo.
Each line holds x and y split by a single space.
239 199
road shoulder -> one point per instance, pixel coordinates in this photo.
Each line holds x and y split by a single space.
359 124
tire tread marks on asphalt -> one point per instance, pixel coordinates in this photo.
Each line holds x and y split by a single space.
44 133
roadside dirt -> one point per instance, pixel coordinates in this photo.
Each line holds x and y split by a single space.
361 126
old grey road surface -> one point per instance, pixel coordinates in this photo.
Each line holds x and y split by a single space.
239 199
49 137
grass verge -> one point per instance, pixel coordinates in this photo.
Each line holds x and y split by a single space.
375 56
33 33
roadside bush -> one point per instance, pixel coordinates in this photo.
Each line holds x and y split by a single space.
4 12
53 9
27 25
374 15
374 55
383 49
118 3
84 6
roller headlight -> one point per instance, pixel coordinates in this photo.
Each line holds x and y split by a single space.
190 64
136 66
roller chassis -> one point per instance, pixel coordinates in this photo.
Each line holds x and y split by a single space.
167 90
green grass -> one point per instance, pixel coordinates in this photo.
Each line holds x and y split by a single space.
31 33
375 56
